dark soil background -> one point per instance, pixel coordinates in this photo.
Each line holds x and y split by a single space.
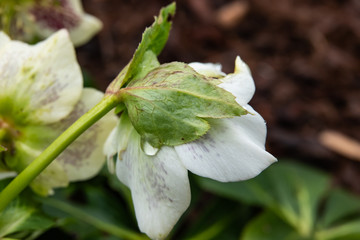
304 56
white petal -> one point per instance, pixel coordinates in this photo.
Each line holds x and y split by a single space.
117 141
52 177
159 185
76 6
84 157
70 14
207 69
232 150
4 39
240 83
110 150
87 28
43 81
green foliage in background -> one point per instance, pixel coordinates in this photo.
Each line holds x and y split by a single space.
288 201
298 203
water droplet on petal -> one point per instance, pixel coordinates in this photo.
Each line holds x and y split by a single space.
148 149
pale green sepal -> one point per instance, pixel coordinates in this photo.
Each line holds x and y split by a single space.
110 151
117 141
144 60
169 106
123 132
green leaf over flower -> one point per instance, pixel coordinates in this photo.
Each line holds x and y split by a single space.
170 105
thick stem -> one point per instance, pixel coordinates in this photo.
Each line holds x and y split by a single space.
54 150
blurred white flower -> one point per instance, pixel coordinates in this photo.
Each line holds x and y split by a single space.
232 150
33 19
41 94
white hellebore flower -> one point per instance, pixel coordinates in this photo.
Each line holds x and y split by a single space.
232 150
41 94
40 18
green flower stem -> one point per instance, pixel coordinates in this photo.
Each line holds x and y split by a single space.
89 219
54 150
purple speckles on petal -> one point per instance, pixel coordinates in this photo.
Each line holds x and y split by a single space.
157 183
56 16
203 147
84 146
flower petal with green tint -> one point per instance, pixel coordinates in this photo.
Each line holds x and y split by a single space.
53 176
84 157
41 83
159 186
232 150
35 20
80 161
117 141
68 14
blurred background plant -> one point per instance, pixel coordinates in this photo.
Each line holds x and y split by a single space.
305 59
